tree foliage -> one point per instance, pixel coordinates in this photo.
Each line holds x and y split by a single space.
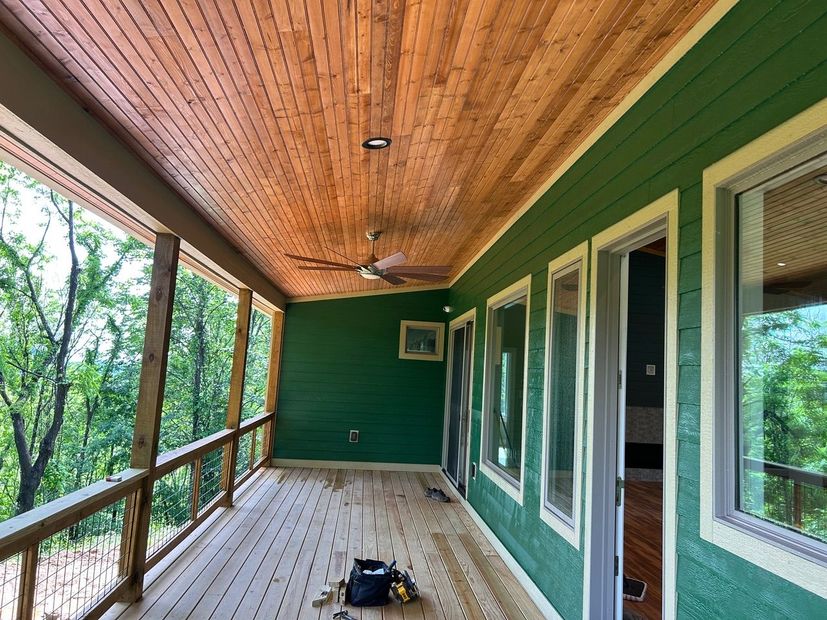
784 410
73 302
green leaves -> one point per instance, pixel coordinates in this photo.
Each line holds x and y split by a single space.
104 352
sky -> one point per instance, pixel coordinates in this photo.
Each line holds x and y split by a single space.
30 220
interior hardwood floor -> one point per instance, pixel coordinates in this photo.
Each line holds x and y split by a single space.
642 544
293 529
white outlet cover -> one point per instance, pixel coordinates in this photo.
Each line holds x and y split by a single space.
353 437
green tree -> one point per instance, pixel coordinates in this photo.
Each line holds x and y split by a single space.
200 360
55 330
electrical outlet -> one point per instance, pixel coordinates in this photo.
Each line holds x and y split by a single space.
473 471
353 437
651 370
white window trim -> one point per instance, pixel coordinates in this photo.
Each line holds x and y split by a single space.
569 530
800 138
512 487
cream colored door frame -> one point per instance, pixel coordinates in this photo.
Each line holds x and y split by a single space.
657 219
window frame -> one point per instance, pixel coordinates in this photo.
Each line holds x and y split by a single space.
796 557
567 528
514 488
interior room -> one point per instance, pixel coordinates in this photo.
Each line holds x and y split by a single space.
643 428
413 309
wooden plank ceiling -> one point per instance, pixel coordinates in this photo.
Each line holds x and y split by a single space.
254 110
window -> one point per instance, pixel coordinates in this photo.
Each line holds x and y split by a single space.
780 425
505 379
763 484
563 393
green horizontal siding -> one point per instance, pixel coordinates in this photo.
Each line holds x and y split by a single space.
762 64
341 371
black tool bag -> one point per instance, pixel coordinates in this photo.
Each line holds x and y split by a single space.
368 590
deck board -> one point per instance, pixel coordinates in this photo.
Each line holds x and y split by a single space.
293 530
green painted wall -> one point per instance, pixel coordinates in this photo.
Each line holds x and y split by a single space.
763 63
341 370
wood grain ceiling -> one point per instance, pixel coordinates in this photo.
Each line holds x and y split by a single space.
254 110
783 234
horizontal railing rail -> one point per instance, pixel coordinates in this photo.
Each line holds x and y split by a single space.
254 422
54 542
169 461
799 477
20 532
788 472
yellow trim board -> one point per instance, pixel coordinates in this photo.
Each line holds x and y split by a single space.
695 34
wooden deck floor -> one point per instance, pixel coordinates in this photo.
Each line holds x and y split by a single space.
293 530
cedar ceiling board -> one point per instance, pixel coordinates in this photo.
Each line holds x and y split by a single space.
794 232
254 111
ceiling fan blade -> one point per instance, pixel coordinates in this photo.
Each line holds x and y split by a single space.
341 255
321 261
311 268
442 269
427 277
390 261
392 279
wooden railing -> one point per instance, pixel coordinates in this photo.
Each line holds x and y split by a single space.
800 479
70 558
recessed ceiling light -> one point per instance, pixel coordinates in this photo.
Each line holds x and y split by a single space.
376 143
781 264
821 179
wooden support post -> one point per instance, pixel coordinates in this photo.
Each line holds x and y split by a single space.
28 581
150 401
271 398
242 333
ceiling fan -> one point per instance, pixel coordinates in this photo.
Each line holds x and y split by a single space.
389 269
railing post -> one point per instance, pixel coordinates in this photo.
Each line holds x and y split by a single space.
798 506
273 373
252 455
196 487
242 333
150 402
28 580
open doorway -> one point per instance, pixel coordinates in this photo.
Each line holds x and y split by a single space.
641 441
634 290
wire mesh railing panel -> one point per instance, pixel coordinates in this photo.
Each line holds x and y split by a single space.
171 506
210 486
10 586
242 458
262 431
80 565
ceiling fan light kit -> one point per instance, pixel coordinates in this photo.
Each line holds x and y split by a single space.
390 269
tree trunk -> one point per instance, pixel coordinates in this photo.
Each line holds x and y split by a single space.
31 475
